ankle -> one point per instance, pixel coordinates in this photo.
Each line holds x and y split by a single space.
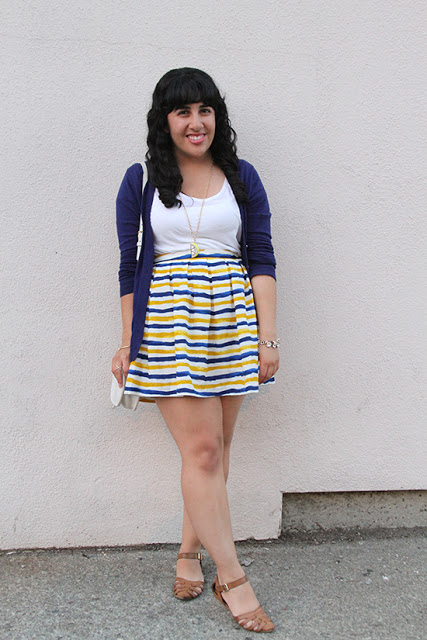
190 549
227 575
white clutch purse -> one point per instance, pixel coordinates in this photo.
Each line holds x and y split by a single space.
119 397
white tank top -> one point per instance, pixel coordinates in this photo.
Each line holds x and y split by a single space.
220 227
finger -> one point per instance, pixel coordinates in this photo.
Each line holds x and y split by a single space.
270 373
125 365
118 375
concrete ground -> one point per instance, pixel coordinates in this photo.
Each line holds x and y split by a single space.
339 587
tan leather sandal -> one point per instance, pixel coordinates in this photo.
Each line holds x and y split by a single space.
261 623
185 589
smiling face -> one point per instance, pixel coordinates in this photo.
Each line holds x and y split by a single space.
192 129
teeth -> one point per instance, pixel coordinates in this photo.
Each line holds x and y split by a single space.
196 137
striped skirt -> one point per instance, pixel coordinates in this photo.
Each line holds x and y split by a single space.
201 330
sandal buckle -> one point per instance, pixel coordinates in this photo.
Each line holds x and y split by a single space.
225 587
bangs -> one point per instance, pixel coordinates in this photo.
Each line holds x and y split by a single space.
182 91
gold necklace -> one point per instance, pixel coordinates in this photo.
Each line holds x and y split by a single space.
194 249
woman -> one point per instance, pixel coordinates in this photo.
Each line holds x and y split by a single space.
198 311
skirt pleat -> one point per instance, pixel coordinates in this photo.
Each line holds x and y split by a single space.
201 331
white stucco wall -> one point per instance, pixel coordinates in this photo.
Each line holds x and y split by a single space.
326 99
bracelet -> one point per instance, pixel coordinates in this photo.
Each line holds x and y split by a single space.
270 343
125 347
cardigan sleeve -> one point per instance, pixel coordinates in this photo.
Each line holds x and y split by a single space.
128 214
260 250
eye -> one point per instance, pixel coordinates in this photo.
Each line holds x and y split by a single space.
181 112
206 110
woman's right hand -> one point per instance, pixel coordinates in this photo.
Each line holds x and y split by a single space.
120 364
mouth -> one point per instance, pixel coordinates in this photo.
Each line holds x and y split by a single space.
196 138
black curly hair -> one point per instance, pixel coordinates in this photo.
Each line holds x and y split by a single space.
176 88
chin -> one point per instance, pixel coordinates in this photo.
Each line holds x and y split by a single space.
197 153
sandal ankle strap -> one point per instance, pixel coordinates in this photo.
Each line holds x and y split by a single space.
230 585
197 556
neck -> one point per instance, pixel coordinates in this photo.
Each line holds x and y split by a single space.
189 164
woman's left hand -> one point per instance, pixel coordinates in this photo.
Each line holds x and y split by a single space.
268 362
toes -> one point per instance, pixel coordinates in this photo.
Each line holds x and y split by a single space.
247 624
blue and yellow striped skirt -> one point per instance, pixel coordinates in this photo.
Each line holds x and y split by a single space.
201 330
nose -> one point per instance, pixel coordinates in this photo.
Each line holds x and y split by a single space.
196 121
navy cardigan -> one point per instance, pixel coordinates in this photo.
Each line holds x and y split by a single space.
135 276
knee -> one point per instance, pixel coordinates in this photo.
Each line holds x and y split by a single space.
207 454
227 437
226 452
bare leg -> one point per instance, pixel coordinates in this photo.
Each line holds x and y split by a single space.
190 569
196 426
